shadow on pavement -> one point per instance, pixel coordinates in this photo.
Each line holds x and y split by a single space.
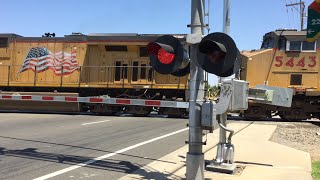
254 163
32 153
79 147
89 162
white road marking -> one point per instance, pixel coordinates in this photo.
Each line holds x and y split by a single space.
95 122
62 171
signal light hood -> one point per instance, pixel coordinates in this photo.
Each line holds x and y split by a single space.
218 54
167 56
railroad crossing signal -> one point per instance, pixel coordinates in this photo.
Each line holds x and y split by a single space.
219 55
313 27
167 56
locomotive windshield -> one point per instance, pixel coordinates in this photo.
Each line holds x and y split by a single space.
287 43
267 43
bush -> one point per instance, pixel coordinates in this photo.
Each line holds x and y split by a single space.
316 170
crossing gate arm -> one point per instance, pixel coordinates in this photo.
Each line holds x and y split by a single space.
98 100
233 96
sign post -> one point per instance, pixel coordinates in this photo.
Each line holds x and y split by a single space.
313 27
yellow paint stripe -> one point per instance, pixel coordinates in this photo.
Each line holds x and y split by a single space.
314 38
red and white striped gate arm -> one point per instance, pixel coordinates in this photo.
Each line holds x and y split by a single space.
100 100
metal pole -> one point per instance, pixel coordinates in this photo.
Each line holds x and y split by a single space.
195 157
226 21
226 17
226 29
222 139
225 150
223 133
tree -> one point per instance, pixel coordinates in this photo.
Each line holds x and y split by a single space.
212 91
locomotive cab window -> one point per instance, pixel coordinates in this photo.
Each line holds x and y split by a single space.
4 42
308 46
293 45
301 46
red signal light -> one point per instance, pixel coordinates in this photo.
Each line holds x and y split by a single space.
216 56
165 57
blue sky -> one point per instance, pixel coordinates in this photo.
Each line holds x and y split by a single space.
250 19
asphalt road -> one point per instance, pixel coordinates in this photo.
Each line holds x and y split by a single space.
51 146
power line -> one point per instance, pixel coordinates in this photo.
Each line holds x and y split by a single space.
288 15
301 5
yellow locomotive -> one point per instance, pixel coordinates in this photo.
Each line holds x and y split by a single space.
286 60
116 65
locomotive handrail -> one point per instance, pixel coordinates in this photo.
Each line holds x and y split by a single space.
13 76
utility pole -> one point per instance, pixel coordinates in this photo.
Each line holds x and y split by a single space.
195 156
301 12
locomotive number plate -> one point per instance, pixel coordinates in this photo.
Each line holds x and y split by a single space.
310 61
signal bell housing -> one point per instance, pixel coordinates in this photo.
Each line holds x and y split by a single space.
219 55
167 56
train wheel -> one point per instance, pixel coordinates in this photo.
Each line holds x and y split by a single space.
256 113
316 115
296 114
138 110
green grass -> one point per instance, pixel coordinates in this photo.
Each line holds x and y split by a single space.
316 170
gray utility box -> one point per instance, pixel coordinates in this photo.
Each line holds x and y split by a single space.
233 97
209 116
239 98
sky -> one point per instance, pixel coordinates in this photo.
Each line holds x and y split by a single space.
250 19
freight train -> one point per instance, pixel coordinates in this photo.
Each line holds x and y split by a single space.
113 65
286 59
117 65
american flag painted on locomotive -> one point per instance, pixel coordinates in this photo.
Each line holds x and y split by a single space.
40 59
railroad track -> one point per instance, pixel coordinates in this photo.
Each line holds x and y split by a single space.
231 117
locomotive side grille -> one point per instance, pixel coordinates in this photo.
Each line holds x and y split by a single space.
296 79
4 42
